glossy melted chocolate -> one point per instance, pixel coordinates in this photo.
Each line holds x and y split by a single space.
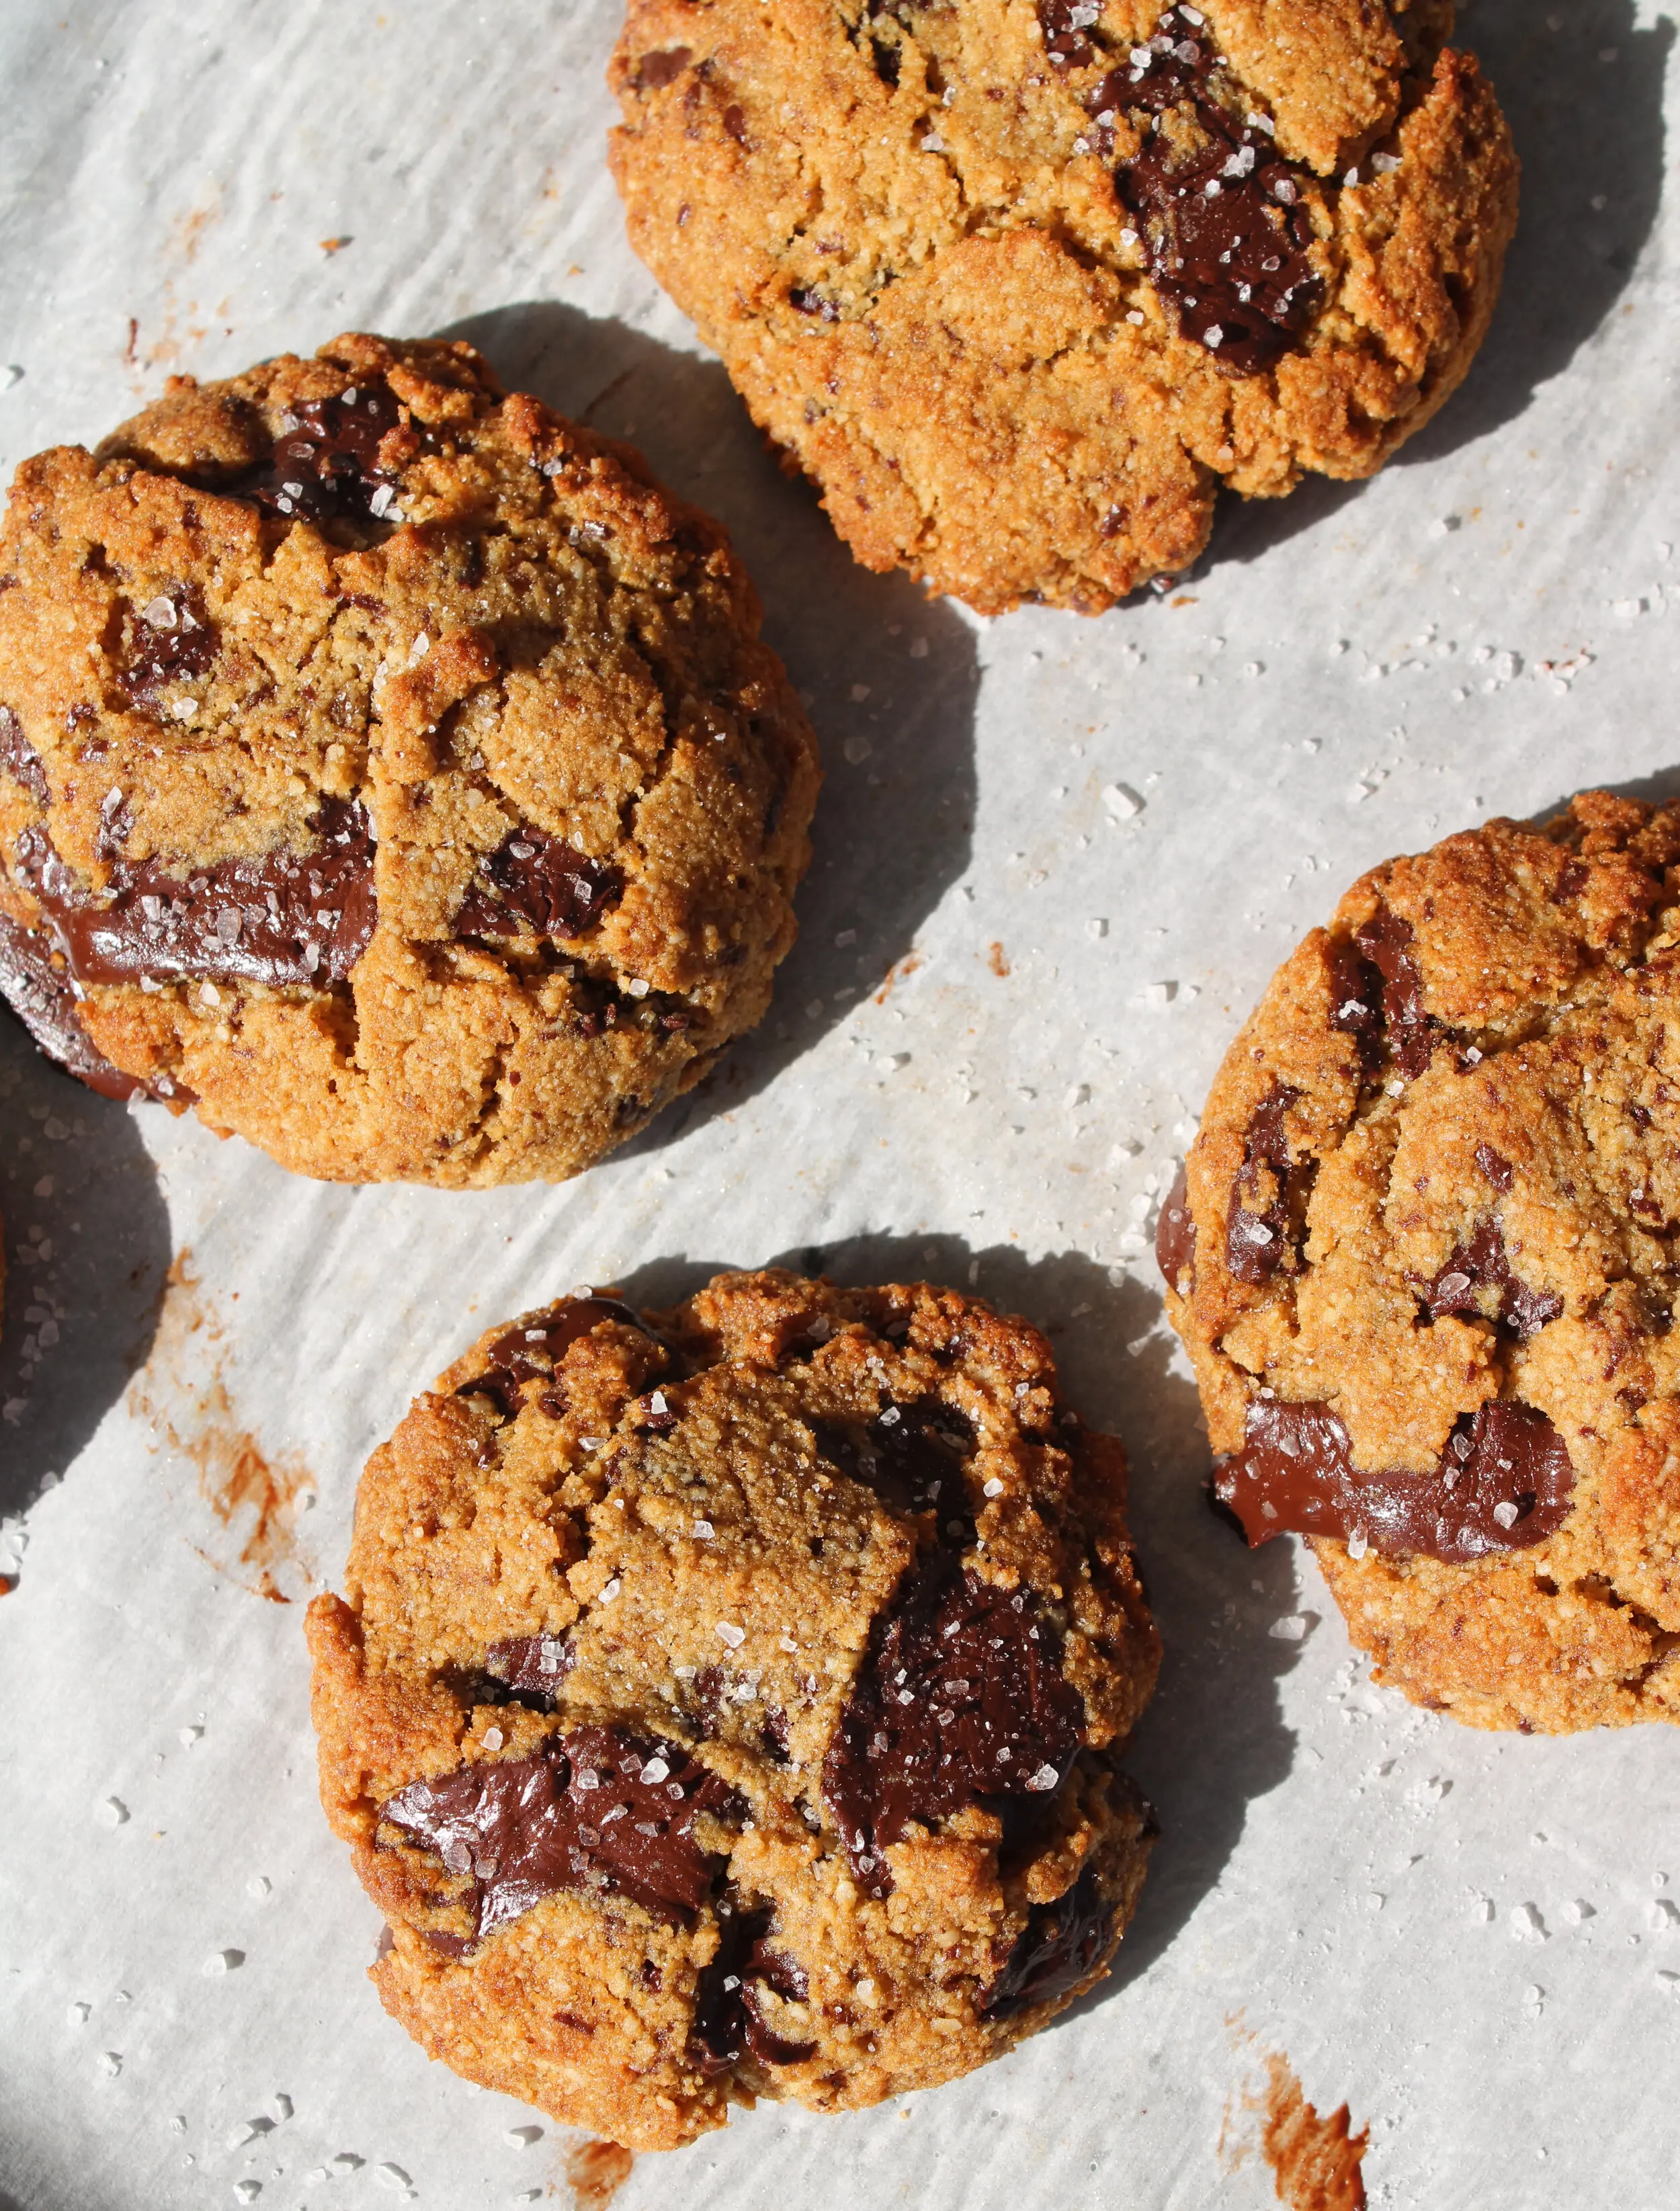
1175 1235
597 1809
960 1696
1225 224
1505 1483
1484 1264
531 1355
325 465
1268 1194
538 885
1060 1944
532 1666
729 2007
174 643
286 919
1387 944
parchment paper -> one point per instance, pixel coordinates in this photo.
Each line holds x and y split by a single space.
1075 851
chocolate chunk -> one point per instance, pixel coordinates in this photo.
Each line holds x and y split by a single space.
1268 1194
805 301
531 1355
20 759
1482 1263
287 919
1176 1235
174 642
1495 1165
537 884
1059 1944
1064 24
655 70
326 463
41 996
532 1666
1386 943
913 1456
597 1809
961 1695
1225 224
729 2011
1355 1003
1505 1482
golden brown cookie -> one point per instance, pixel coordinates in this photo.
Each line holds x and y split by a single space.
1426 1258
726 1702
390 767
1021 287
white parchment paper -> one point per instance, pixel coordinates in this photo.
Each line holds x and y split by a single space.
1077 849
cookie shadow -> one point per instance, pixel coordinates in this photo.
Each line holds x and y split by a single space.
1656 789
1214 1739
1590 134
88 1249
888 677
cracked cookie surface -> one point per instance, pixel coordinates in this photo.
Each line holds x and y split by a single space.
390 767
1424 1258
1022 285
726 1702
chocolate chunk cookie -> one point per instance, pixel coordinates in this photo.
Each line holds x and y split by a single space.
1022 287
388 768
1426 1259
726 1702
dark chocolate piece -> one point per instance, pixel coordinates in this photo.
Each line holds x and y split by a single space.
961 1695
597 1809
1059 1944
1483 1263
1064 24
531 1355
532 1666
20 759
326 463
538 885
729 2014
174 642
40 996
1355 1003
655 70
1268 1194
290 918
1387 944
1225 225
1504 1483
1176 1235
1495 1165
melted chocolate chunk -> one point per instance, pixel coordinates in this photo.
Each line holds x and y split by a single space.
41 996
537 884
1505 1482
597 1809
1064 24
20 759
290 918
1225 223
729 2012
1387 944
1355 1003
174 642
532 1667
1269 1195
1176 1235
531 1355
1495 1165
960 1696
1484 1263
325 465
1059 1944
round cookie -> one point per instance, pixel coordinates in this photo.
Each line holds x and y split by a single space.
726 1702
1021 287
1426 1256
390 769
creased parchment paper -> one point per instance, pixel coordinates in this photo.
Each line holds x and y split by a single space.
1056 861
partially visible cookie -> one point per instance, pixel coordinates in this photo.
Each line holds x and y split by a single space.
389 767
1021 287
727 1702
1426 1259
